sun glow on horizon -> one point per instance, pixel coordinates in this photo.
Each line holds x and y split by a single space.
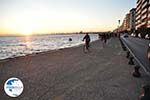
27 17
49 21
27 32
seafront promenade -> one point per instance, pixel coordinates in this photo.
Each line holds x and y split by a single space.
70 74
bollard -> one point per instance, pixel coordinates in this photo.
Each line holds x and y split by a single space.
122 45
124 48
131 62
128 54
136 72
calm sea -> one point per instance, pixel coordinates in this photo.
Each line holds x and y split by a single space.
11 47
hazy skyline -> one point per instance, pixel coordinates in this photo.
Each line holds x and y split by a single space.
52 16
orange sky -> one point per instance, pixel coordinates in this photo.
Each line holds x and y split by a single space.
26 17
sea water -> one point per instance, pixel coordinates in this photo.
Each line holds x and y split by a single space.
14 46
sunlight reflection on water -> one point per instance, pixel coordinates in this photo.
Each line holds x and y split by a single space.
20 46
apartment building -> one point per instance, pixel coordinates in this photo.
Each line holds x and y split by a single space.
142 14
128 23
132 19
149 14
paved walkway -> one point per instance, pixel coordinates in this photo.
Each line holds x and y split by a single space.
70 74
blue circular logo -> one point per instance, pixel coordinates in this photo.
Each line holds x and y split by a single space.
13 87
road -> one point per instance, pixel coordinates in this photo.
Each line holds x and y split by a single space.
139 48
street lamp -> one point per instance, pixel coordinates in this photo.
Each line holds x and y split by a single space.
118 23
118 27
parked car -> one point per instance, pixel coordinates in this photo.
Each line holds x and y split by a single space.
126 35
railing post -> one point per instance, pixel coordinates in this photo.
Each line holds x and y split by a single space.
122 45
128 54
136 72
131 62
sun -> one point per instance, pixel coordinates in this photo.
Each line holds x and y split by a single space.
26 28
27 31
23 24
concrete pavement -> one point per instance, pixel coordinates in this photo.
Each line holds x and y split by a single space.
70 74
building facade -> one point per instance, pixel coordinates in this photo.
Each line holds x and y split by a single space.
128 23
137 21
132 19
149 14
142 14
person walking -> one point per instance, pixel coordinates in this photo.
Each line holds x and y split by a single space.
104 39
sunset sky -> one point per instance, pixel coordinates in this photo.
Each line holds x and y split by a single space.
52 16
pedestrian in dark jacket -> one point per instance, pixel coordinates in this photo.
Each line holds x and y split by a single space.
87 41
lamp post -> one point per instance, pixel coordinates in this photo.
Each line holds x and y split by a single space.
118 23
118 28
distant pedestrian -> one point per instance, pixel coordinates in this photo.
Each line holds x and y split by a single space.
99 35
87 42
104 39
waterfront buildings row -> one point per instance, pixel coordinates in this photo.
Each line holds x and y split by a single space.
143 14
137 20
